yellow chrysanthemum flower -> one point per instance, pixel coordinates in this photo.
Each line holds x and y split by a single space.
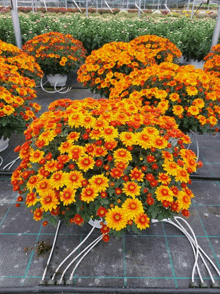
122 154
89 193
159 142
36 155
86 162
170 167
142 221
178 109
116 219
184 200
99 182
49 200
132 207
67 196
131 189
109 133
57 180
182 176
164 193
128 138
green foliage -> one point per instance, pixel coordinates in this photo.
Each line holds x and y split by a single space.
191 36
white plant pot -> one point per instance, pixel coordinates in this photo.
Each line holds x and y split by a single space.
3 144
196 63
57 79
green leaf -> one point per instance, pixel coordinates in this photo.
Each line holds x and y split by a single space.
135 229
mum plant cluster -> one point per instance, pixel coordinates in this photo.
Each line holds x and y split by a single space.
121 158
56 52
109 159
18 71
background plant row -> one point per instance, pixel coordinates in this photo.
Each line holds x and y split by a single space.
192 37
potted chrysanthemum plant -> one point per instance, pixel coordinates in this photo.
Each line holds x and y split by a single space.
189 95
25 63
212 61
108 64
91 159
57 54
162 49
16 108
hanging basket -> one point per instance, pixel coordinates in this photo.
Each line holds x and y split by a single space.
4 144
57 80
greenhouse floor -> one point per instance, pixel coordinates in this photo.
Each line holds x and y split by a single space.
161 257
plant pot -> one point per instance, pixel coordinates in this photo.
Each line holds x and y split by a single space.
3 144
57 80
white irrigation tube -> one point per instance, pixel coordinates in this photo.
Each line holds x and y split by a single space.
181 228
51 252
210 274
85 249
218 272
192 245
10 164
53 277
98 240
1 160
59 90
56 90
191 240
196 247
197 145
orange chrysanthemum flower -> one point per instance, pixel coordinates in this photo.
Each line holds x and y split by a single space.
142 221
38 214
137 175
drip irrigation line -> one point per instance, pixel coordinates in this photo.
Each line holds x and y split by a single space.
201 177
89 247
52 249
72 289
74 250
5 173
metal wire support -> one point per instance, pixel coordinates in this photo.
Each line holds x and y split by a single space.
51 253
62 90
